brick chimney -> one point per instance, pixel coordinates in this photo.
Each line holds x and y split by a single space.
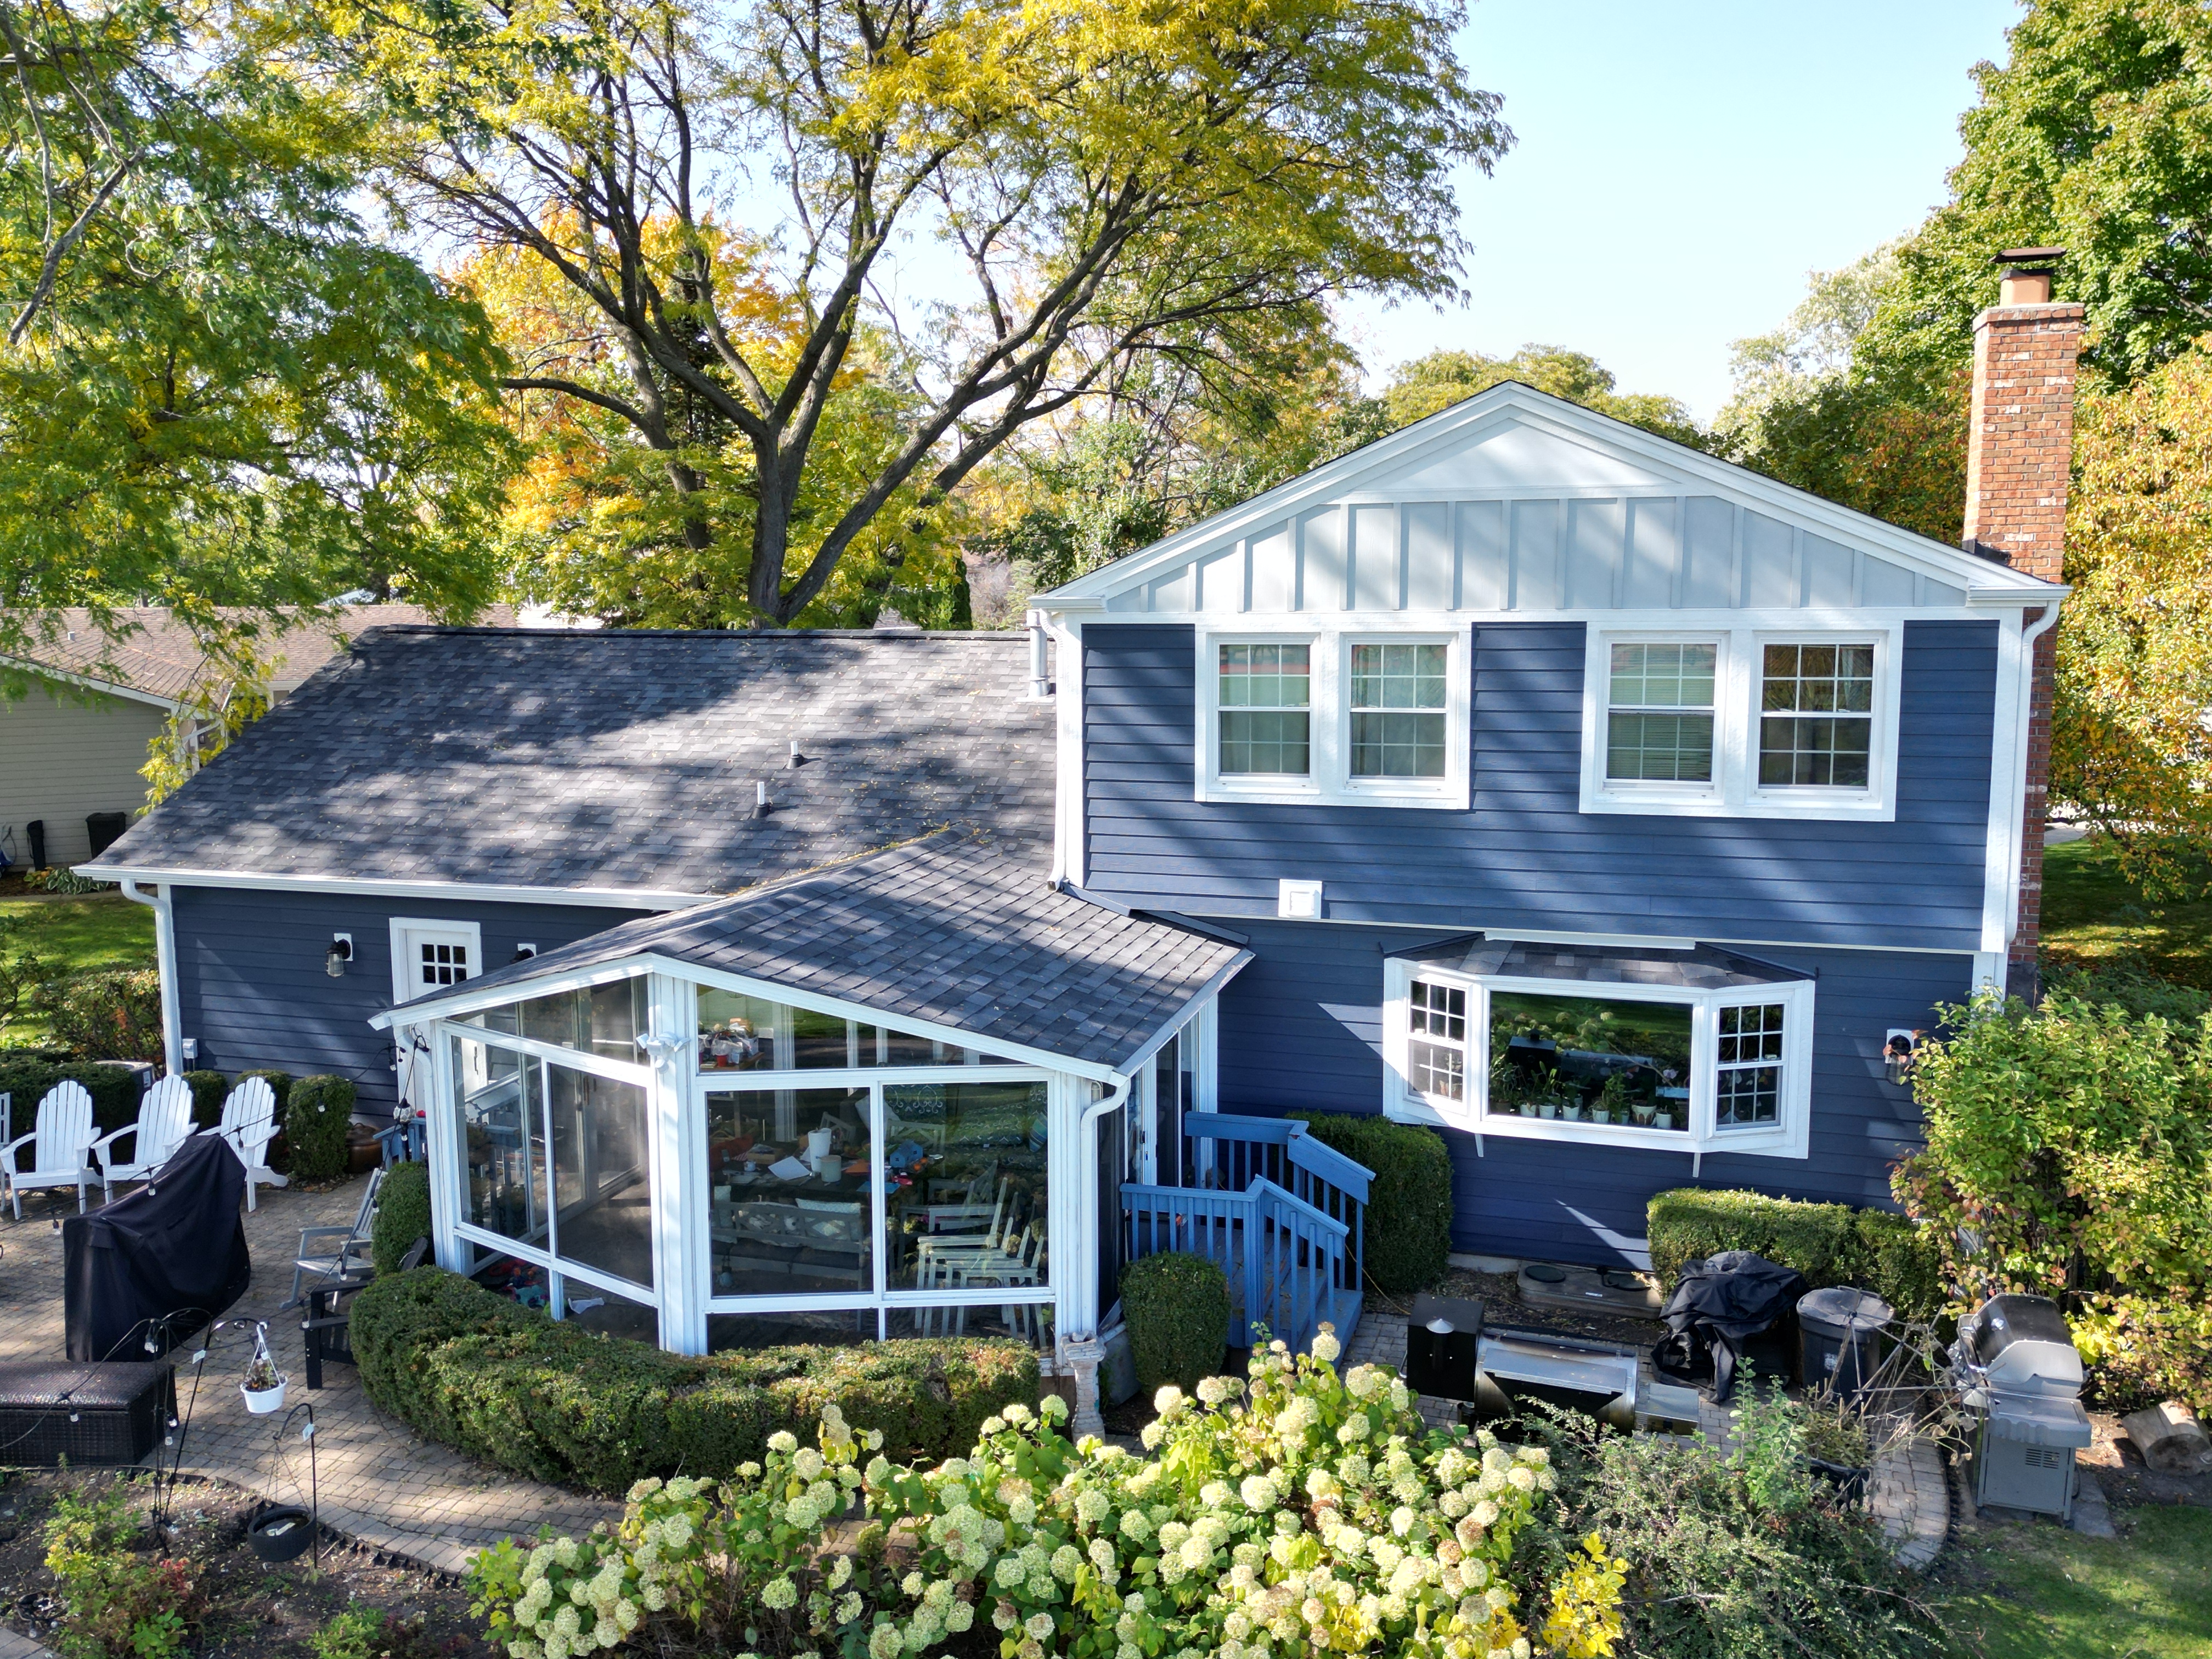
2020 451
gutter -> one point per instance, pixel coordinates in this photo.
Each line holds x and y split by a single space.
164 956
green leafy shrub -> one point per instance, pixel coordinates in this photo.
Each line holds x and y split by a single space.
1739 1558
403 1214
120 1602
316 1114
114 1090
559 1403
2068 1154
110 1013
372 1633
2126 981
1409 1205
1177 1310
1829 1244
210 1090
58 878
1301 1510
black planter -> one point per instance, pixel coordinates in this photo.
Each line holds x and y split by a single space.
1851 1484
280 1532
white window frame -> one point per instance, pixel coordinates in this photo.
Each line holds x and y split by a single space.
1735 791
1328 781
1790 1137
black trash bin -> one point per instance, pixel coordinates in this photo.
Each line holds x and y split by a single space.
103 830
1840 1339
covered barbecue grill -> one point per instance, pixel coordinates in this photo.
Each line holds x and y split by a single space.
2019 1373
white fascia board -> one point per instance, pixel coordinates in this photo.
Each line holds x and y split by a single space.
615 898
109 688
1954 567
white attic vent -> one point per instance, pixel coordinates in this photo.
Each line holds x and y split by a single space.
1298 901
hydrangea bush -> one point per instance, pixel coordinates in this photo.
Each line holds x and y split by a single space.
1294 1513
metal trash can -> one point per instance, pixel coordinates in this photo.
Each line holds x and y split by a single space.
1840 1341
1442 1334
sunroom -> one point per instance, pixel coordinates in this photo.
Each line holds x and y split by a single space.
890 1099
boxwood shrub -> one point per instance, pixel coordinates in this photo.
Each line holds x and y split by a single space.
403 1214
1177 1310
210 1090
561 1403
1409 1205
1829 1244
114 1090
315 1118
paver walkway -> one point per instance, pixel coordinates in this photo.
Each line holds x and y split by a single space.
380 1482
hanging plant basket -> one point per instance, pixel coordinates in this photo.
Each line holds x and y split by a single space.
264 1386
262 1401
280 1532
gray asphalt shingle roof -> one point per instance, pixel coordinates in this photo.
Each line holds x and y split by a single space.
1706 968
955 930
615 759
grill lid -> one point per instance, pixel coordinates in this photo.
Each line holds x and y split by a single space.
2022 1345
2039 1420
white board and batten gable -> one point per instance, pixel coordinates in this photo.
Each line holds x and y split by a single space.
1516 503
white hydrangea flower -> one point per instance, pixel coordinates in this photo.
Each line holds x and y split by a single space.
1475 1572
1352 1470
780 1594
1149 1436
1485 1514
1196 1551
1137 1526
1497 1460
1547 1481
568 1622
1521 1478
1213 1494
1402 1519
840 1570
1038 1625
1019 1413
783 1441
1499 1597
808 1464
655 1595
1169 1400
1065 1561
959 1616
914 1585
1326 1347
848 1607
1102 1555
626 1616
1259 1492
1400 1395
564 1550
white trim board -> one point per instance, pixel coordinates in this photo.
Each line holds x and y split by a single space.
86 682
612 898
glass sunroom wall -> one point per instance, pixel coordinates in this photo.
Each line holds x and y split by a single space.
788 1182
968 1192
743 1033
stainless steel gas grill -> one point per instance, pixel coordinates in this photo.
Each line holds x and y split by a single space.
2019 1376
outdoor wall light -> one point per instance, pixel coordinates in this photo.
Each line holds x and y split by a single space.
339 954
1897 1053
523 953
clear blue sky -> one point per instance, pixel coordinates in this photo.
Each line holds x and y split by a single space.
1681 166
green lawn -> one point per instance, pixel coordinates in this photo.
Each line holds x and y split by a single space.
2039 1592
75 931
2090 912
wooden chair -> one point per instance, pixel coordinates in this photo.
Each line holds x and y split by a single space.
58 1144
165 1123
249 1124
349 1257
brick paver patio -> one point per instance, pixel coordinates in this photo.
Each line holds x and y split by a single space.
380 1482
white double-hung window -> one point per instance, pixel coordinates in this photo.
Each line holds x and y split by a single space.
1338 717
1492 1045
1741 722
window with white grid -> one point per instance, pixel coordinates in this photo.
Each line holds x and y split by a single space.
1436 1050
1748 1092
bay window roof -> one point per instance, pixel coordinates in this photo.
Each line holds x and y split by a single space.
1702 967
955 930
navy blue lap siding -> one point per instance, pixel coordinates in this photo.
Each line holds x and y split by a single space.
251 988
1302 1027
1526 855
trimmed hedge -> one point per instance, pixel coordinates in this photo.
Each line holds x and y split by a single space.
403 1214
1177 1310
210 1090
558 1403
1829 1244
1409 1205
280 1085
315 1119
114 1090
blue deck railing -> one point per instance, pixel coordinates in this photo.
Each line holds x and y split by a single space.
1282 1215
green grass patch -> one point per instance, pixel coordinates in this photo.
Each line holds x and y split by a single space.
76 932
2039 1592
2092 914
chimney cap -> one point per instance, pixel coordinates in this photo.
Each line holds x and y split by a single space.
2029 260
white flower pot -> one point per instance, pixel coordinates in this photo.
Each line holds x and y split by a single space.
262 1401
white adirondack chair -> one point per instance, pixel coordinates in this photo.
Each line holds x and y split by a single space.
58 1145
249 1124
165 1123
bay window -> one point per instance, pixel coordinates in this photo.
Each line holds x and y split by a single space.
1560 1043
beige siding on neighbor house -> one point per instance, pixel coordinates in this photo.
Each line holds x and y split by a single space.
61 758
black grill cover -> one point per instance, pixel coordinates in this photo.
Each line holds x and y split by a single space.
177 1245
1717 1305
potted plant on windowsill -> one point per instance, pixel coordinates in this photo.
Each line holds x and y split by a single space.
264 1386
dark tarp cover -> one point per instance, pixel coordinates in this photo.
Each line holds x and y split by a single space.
1717 1305
177 1244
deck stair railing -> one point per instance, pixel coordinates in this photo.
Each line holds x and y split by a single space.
1282 1214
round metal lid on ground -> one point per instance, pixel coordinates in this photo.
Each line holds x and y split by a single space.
1840 1310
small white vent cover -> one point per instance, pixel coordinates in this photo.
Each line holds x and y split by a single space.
1299 901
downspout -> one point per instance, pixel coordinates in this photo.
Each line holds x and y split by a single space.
2030 633
1039 672
1082 1356
165 957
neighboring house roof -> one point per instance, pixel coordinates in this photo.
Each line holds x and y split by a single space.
1514 500
611 761
158 656
955 930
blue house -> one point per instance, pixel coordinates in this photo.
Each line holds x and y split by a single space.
1618 812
